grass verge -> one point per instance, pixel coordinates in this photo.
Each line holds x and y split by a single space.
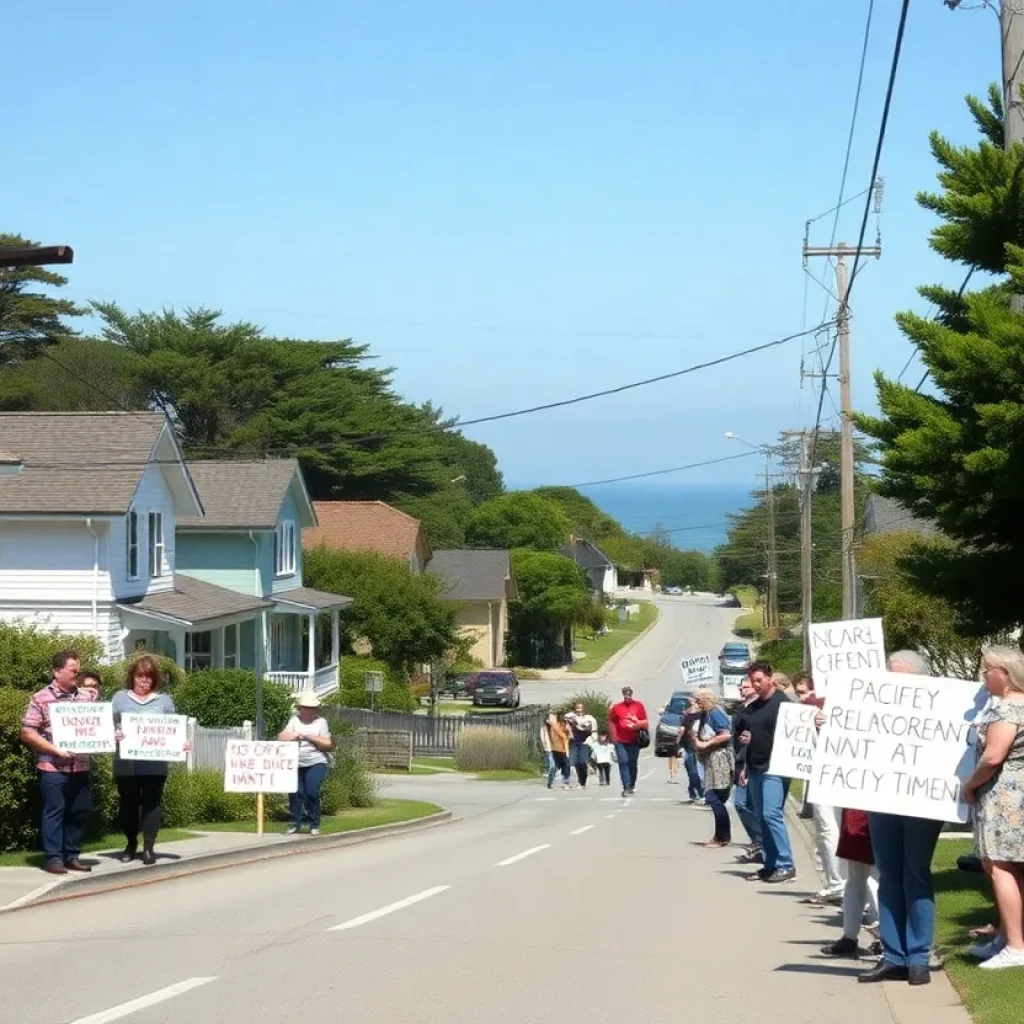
113 841
597 652
508 774
384 812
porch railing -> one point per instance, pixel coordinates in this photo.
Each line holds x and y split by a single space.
322 681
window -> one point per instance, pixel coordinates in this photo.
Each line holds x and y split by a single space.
198 650
278 642
231 646
284 548
133 545
156 544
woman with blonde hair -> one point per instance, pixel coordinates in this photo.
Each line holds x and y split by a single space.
783 684
996 788
712 741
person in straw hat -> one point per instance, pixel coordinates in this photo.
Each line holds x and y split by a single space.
313 734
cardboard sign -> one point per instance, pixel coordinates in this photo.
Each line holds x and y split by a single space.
795 740
153 737
897 743
856 645
261 766
697 669
83 727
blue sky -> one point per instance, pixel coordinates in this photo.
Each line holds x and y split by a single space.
511 203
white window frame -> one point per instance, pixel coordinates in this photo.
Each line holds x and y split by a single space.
285 560
231 660
198 659
132 543
156 545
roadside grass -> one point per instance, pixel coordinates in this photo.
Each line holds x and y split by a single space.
964 902
423 766
597 652
508 774
749 624
746 595
112 841
384 812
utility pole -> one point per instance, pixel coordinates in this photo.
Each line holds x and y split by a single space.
846 476
806 477
771 610
1011 31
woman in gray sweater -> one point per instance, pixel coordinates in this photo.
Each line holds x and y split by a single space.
140 784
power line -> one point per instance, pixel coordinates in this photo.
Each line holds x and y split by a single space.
662 472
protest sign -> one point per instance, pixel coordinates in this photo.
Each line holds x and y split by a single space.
261 766
897 743
795 738
153 737
83 727
857 645
697 669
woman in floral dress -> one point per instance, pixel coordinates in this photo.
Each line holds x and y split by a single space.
997 790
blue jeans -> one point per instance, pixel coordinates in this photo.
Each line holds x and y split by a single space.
751 822
557 762
628 754
694 776
717 799
67 801
767 797
579 758
305 801
903 850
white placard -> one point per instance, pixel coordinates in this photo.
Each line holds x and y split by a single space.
153 737
795 739
697 669
261 766
83 727
856 645
897 743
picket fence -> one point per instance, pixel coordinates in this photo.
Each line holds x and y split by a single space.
210 745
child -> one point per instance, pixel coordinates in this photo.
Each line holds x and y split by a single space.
603 753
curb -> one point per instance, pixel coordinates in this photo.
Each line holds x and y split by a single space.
605 669
95 885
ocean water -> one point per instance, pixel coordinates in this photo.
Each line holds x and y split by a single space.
693 514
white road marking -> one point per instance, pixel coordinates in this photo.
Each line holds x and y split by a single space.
41 890
648 775
580 831
133 1005
610 799
658 799
545 799
373 915
520 856
609 815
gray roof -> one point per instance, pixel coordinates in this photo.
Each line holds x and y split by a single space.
240 495
314 600
76 463
484 575
193 601
885 515
585 555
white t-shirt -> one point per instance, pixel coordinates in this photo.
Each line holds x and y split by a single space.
602 753
308 753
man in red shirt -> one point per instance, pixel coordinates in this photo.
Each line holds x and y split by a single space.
625 722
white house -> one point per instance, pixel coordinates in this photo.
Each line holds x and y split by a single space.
600 569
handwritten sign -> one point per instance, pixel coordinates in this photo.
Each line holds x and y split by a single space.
83 727
857 645
153 737
795 739
697 669
261 766
897 743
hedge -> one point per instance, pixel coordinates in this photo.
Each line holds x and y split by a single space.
222 697
26 653
396 695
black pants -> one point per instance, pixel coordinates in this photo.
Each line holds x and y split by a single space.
140 806
604 774
717 799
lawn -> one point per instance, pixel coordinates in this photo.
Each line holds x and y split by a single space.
749 624
384 812
965 902
508 774
113 841
422 766
746 595
597 652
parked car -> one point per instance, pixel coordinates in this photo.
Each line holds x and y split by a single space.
457 684
734 657
729 601
729 685
674 590
496 688
666 734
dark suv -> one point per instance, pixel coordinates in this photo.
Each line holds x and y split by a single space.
495 688
670 725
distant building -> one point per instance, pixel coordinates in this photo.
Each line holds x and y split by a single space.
369 526
886 515
600 569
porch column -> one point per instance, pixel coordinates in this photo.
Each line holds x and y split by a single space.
178 639
311 618
335 636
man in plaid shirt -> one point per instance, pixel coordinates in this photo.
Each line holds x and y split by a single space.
63 777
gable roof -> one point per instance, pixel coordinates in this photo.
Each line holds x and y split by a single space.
475 575
885 515
243 495
87 463
585 554
365 526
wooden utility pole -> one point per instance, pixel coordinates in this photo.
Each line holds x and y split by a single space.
771 611
1011 31
806 477
846 475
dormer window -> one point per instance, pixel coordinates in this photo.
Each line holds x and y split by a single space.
285 537
156 545
133 545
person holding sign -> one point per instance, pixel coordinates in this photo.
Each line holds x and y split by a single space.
140 784
997 790
64 781
310 729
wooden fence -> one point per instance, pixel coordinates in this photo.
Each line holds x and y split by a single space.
385 748
210 745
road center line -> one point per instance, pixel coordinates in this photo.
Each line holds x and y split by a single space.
648 775
520 856
580 831
609 815
133 1005
373 915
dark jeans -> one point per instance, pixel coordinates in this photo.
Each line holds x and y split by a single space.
559 766
628 754
604 774
305 801
693 776
903 849
140 806
717 799
67 801
579 757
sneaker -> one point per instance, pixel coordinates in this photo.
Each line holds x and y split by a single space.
292 830
844 947
781 875
1006 957
760 876
987 950
314 831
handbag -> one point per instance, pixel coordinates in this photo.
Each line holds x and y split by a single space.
643 738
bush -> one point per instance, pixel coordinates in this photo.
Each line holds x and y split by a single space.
594 703
19 799
192 798
220 698
352 677
113 676
484 748
27 651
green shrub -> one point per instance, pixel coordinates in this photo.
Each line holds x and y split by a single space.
103 818
192 798
396 695
19 798
27 651
484 748
220 698
113 676
594 703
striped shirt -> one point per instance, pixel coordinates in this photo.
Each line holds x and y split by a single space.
38 717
